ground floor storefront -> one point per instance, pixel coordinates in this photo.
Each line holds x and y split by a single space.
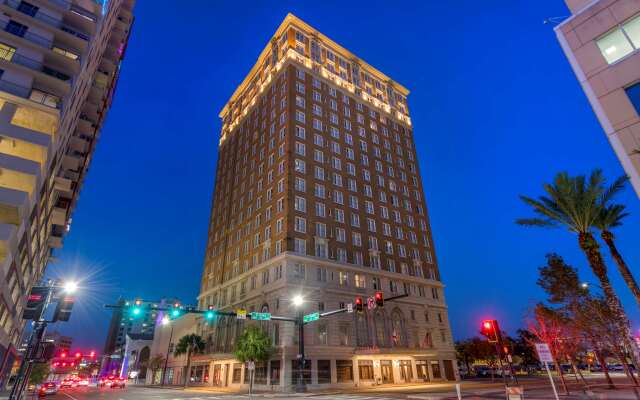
328 371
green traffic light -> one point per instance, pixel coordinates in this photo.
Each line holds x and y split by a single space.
136 311
209 315
175 313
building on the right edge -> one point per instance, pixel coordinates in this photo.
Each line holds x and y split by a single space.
318 194
601 39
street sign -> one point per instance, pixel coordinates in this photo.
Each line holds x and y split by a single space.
252 366
311 317
544 354
371 303
259 316
350 307
241 314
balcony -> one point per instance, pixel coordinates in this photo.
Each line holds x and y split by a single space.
35 13
35 65
35 95
25 34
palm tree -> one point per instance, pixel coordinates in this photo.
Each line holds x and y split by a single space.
253 345
189 344
576 203
610 217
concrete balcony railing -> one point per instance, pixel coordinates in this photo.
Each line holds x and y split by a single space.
34 94
30 36
34 65
47 19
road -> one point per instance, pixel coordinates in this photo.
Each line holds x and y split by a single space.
536 388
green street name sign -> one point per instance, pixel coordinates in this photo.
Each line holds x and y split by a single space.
259 316
311 317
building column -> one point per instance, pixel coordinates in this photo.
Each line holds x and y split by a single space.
414 370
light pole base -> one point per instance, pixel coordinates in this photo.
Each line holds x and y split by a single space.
301 387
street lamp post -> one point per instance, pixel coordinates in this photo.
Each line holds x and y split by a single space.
301 386
165 321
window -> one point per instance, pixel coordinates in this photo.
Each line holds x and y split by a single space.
300 246
324 371
634 95
365 369
300 204
300 225
300 133
360 281
299 271
6 52
621 41
16 28
344 370
343 278
322 334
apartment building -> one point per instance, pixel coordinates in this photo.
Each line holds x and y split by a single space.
59 64
601 39
318 193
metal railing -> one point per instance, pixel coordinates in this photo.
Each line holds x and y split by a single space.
30 36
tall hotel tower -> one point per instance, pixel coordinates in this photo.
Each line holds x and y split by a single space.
59 64
318 193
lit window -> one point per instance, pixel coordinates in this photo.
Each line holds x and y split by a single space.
621 41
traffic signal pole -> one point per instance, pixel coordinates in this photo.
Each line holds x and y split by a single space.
301 385
33 344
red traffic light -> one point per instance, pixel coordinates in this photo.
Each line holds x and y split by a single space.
63 355
491 330
176 305
78 354
210 308
359 306
92 354
379 299
138 302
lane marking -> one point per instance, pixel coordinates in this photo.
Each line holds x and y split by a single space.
69 396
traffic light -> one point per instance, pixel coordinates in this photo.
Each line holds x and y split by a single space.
491 330
210 314
379 299
63 309
138 302
35 302
92 354
176 311
63 355
78 354
359 305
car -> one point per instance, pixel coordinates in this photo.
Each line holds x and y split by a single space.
105 381
83 382
48 388
117 383
67 382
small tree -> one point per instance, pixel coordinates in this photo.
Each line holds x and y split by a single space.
189 344
253 345
39 373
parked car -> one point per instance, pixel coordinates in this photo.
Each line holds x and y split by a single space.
48 388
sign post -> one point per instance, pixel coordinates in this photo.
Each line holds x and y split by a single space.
544 355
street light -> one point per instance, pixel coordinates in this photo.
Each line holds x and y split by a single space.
70 286
166 321
301 386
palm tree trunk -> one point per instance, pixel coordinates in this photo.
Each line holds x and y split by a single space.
187 374
622 265
603 365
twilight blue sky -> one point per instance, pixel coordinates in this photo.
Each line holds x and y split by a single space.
496 109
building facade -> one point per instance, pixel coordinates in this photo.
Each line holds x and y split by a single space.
602 42
61 342
318 193
59 64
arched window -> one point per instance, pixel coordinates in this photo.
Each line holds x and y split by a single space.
380 329
362 330
398 334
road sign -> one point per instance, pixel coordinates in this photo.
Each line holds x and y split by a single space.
252 366
259 316
241 314
311 317
371 303
350 307
544 354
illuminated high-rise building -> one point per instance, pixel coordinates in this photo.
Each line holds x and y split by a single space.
318 193
59 64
